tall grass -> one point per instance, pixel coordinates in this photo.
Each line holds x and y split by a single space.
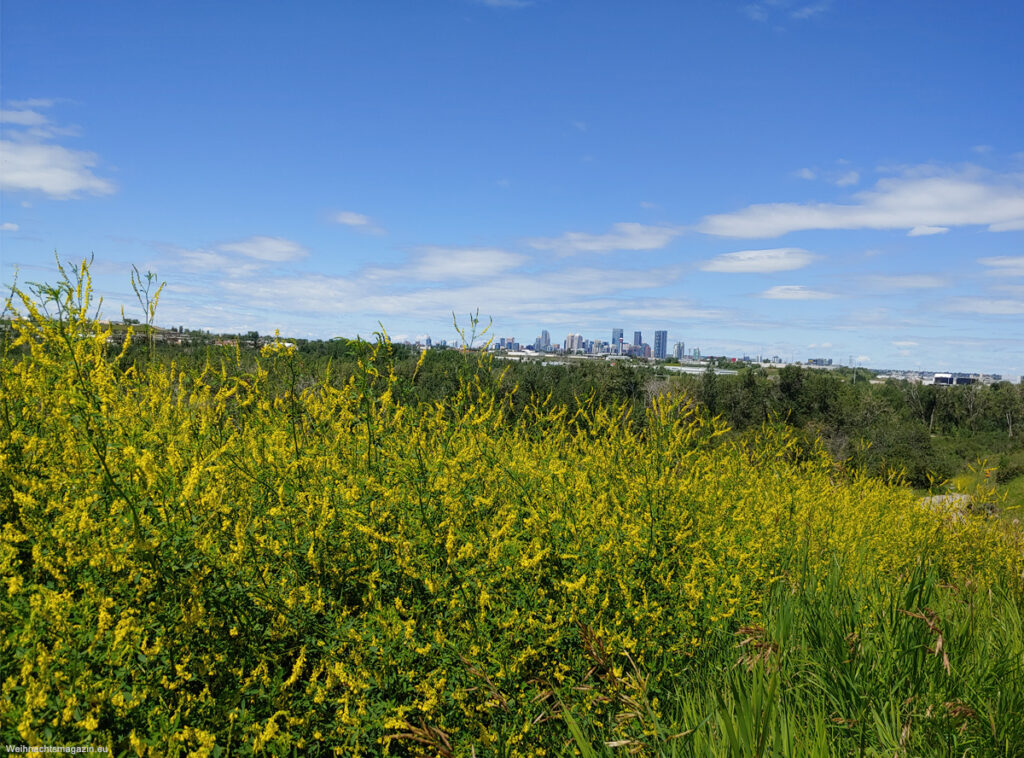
910 666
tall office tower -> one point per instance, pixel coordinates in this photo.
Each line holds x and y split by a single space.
680 351
616 340
660 344
545 339
638 339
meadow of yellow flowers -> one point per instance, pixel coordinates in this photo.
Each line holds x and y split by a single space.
215 561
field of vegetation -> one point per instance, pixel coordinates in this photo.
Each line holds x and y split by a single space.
234 554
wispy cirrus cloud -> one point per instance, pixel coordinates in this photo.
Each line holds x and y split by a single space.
270 249
623 236
9 226
986 306
431 283
906 281
512 294
22 117
776 11
504 3
33 163
840 178
927 231
238 258
925 200
795 292
847 179
1004 265
760 261
666 309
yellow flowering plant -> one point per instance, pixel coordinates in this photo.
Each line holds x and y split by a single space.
225 559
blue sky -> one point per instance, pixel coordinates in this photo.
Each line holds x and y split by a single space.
801 178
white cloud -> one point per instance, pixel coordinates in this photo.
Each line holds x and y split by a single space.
275 249
847 179
8 226
428 287
986 306
775 10
626 236
22 117
809 10
51 169
665 309
755 12
760 261
435 264
34 102
904 343
211 260
240 258
982 149
795 292
1004 265
513 295
906 281
350 218
31 163
922 198
925 231
357 221
838 178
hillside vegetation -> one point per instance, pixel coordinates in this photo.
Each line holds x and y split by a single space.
242 557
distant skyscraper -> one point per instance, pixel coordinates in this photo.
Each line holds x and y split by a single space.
545 338
638 339
680 351
616 340
661 344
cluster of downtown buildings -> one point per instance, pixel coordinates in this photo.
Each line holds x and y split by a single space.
579 345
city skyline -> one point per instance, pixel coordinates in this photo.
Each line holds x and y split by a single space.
846 182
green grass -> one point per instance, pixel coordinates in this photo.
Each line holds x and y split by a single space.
1013 505
918 669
